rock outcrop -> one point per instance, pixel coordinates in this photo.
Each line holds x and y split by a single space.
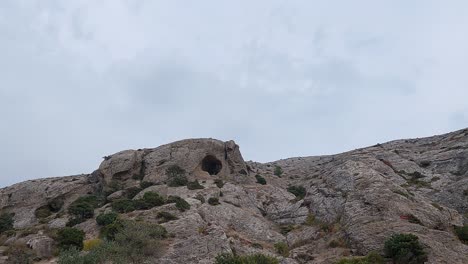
351 202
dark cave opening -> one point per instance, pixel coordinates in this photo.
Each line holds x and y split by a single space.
212 165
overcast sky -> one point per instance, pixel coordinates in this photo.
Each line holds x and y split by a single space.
83 79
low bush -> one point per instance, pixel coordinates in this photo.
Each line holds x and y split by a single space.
195 185
278 171
110 231
176 176
153 199
371 258
6 222
462 233
282 248
106 218
91 244
70 237
260 180
123 205
405 248
213 201
299 191
83 208
227 258
200 198
219 183
180 203
166 216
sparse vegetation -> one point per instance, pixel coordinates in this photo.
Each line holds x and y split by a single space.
278 171
299 191
405 248
133 243
227 258
70 237
213 201
260 180
176 176
284 229
148 201
195 185
462 233
310 220
371 258
282 248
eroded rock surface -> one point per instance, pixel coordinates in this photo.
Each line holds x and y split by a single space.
352 203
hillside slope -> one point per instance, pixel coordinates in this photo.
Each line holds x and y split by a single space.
347 204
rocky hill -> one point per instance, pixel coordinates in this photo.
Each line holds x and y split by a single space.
298 210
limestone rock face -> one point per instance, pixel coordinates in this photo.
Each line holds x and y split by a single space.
201 158
323 208
23 199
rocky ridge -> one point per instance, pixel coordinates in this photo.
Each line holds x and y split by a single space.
352 202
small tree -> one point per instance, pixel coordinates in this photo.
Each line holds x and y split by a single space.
405 248
70 237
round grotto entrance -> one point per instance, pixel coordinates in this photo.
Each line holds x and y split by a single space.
211 164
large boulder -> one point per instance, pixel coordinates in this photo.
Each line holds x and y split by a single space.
201 159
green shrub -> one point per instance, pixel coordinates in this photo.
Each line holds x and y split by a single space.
132 192
180 203
166 216
176 176
195 185
371 258
123 205
284 229
6 222
153 199
282 248
55 204
201 198
83 207
145 184
405 248
219 183
69 237
213 201
260 179
110 231
462 233
227 258
299 191
106 218
74 221
278 171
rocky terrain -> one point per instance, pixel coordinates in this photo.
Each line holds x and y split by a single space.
320 208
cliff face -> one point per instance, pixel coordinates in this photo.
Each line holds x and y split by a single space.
349 205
